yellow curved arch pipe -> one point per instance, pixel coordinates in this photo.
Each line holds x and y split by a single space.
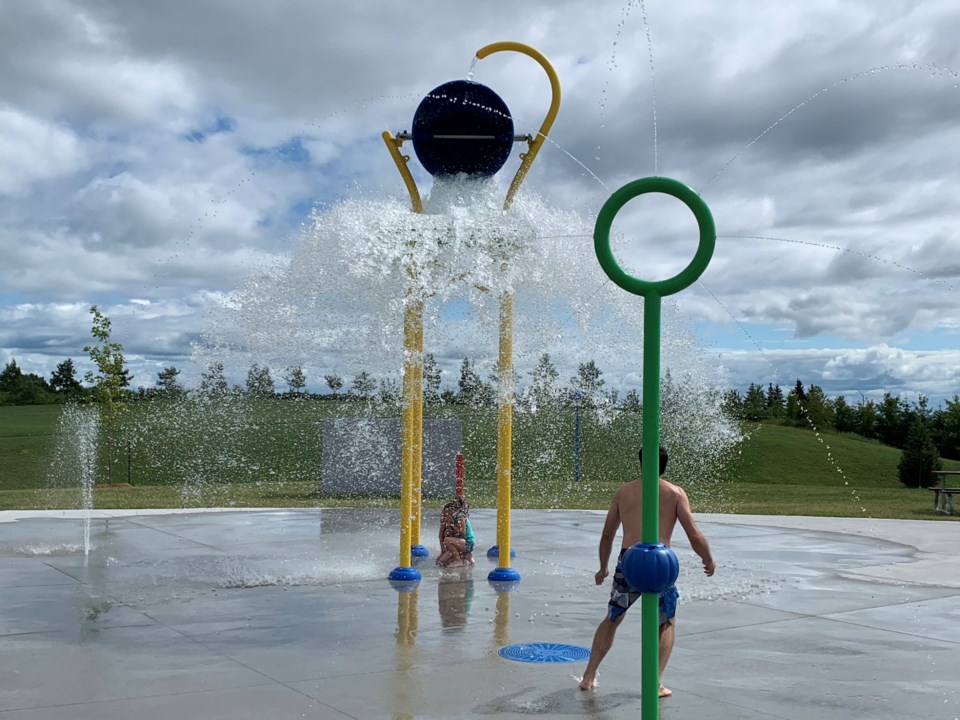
401 160
527 158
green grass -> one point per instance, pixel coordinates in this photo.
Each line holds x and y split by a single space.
255 453
26 434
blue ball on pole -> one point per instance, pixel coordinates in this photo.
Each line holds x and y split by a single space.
650 567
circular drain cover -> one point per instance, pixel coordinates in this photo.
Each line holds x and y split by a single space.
544 653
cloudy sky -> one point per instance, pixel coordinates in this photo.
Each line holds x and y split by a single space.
154 155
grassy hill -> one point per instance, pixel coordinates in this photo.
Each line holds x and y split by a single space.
268 453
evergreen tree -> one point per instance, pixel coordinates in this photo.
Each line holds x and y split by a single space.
776 403
469 384
431 380
363 386
796 409
64 381
10 377
754 403
946 429
919 457
168 382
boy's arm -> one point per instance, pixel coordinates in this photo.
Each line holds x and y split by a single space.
607 535
698 540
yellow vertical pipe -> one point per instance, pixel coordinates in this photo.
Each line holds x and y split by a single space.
505 413
504 428
501 621
411 426
417 449
406 435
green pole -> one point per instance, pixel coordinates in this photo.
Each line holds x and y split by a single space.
650 479
652 292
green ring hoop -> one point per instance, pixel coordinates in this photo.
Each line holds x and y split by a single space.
687 276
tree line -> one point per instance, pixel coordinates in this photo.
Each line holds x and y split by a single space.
925 435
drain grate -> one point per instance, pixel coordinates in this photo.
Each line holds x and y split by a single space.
544 653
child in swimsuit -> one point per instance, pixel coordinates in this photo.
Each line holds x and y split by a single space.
456 535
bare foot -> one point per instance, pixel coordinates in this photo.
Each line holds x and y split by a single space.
588 683
665 692
455 564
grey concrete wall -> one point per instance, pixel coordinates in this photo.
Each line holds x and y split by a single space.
362 457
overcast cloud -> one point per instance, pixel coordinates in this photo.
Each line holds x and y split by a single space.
156 156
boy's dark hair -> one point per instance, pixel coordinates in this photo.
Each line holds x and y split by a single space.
663 458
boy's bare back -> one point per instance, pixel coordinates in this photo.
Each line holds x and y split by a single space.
626 508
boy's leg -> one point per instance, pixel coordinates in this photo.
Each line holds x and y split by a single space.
602 641
667 636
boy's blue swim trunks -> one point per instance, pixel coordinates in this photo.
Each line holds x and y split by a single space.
622 596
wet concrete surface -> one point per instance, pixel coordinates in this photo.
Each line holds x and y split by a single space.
288 614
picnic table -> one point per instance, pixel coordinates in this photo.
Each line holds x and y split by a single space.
943 495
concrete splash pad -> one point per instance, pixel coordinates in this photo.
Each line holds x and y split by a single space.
287 614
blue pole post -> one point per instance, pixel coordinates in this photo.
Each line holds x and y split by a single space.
576 436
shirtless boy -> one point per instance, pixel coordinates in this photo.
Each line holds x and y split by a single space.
626 508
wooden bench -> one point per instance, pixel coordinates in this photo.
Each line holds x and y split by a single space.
943 496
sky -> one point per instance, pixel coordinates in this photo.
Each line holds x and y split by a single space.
155 156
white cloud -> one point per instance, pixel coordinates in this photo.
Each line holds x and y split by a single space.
168 152
34 150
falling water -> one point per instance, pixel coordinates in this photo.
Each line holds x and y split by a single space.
344 292
653 88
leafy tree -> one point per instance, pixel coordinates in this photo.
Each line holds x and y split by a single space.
844 416
334 382
893 421
431 380
631 403
363 385
390 392
543 384
819 410
295 379
588 382
63 380
168 382
919 457
866 414
111 378
20 388
259 381
733 404
213 382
